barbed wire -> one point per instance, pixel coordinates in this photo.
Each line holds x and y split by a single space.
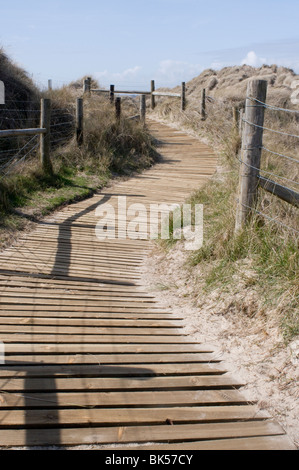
274 108
269 218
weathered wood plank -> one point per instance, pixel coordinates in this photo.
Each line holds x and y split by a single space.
90 357
279 442
83 338
141 434
48 348
120 399
129 416
88 322
108 384
286 194
120 370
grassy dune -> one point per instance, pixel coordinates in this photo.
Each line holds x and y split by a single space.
110 149
265 255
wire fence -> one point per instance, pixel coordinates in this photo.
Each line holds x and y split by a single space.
274 108
17 156
269 175
63 128
21 114
271 219
271 130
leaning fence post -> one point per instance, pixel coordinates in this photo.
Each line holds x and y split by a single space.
45 139
252 141
142 108
203 104
118 109
79 121
183 96
153 102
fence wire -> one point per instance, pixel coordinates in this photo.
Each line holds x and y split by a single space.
274 108
270 130
277 154
15 160
271 219
280 154
269 173
60 131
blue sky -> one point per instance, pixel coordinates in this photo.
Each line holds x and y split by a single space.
130 42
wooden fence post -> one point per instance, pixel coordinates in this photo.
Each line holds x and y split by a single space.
79 121
241 115
111 94
235 118
87 85
251 151
153 102
203 104
45 139
183 96
118 109
142 108
2 93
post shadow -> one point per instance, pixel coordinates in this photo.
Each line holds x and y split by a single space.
60 271
64 244
52 407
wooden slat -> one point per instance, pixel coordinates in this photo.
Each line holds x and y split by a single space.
279 442
120 399
140 434
115 348
108 384
129 416
23 369
90 356
81 338
68 330
91 322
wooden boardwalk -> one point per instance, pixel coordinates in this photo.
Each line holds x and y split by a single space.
90 357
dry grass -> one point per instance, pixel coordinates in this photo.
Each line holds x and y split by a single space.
268 247
111 148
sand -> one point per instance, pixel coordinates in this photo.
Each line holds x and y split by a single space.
240 331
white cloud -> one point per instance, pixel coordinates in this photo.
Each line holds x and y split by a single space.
168 73
175 71
253 60
118 76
